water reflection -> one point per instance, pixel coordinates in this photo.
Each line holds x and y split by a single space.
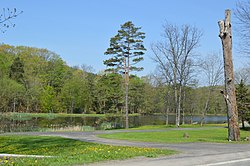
91 123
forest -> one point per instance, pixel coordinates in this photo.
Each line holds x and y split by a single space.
38 80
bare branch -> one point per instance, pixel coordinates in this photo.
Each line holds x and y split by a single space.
212 67
174 58
242 13
6 17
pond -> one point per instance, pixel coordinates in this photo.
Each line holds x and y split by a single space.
92 123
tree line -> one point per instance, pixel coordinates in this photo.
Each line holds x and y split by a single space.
38 80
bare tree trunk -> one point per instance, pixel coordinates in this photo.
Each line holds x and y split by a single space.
14 105
206 107
167 116
177 122
167 106
126 104
126 69
229 94
242 121
179 107
191 116
205 111
176 107
183 106
72 106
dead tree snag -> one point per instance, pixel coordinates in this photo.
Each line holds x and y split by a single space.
229 94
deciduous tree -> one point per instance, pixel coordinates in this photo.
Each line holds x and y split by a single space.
108 93
212 67
242 13
174 57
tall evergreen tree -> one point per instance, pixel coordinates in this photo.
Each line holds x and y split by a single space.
126 49
242 98
17 71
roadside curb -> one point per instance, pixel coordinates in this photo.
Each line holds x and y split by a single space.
20 155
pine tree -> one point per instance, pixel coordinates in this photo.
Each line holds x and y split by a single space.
242 97
126 49
17 71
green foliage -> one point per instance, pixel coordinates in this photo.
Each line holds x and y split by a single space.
23 116
136 95
108 93
5 60
49 102
55 73
17 70
68 151
106 126
11 94
243 101
126 48
217 103
74 92
41 82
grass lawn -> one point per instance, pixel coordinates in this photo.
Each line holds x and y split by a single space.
207 134
67 151
159 127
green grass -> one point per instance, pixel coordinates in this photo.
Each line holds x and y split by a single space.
27 116
67 151
152 127
211 134
159 127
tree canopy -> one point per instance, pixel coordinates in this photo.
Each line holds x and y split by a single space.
48 84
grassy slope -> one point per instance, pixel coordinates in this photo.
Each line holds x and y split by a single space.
67 151
207 134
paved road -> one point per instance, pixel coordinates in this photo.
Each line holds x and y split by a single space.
202 154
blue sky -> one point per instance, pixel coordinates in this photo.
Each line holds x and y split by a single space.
80 30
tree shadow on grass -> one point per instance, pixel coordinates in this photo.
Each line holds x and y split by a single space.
245 129
37 145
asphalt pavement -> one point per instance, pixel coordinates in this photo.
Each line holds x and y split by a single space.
191 154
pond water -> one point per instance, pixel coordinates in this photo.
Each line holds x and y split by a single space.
92 123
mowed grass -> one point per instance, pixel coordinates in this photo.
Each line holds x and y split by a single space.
209 134
159 127
67 151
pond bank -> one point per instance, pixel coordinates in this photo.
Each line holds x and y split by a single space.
54 122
